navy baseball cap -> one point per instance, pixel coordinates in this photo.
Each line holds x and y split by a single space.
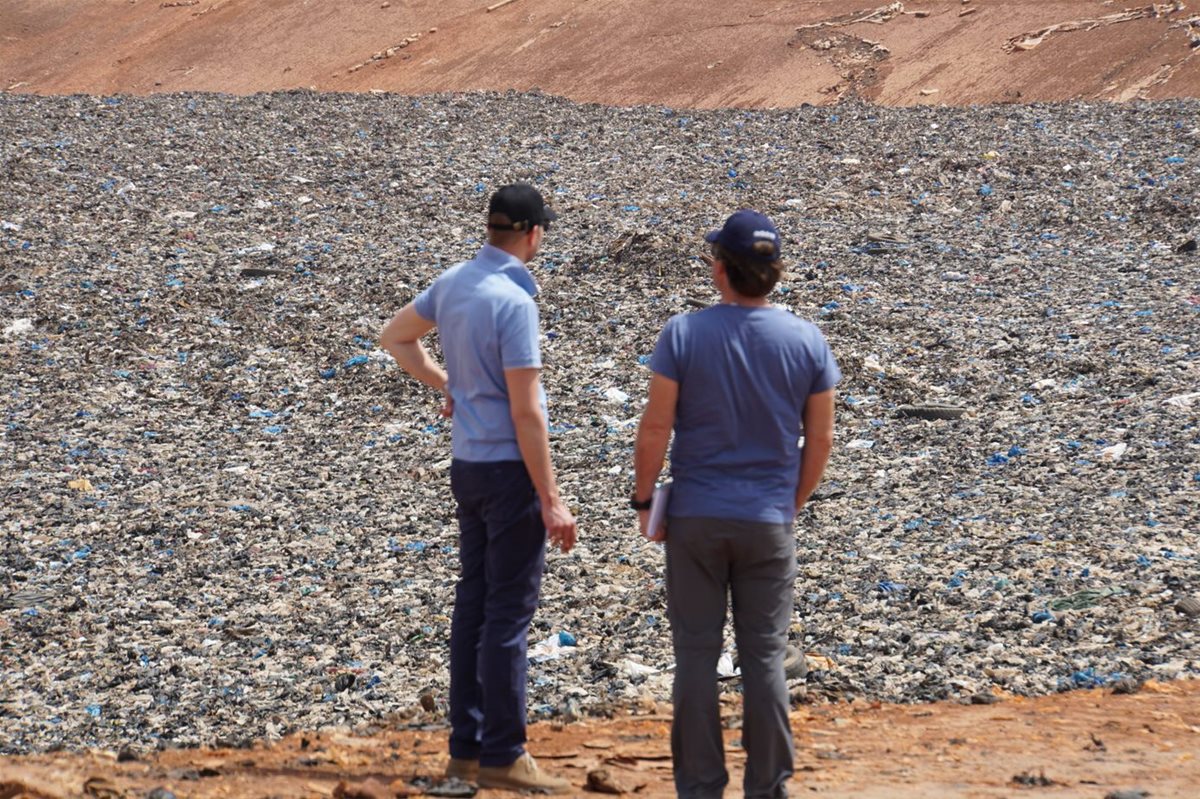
523 205
748 234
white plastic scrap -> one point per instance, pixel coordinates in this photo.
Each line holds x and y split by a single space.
632 668
265 247
1183 400
19 327
616 395
549 649
1114 452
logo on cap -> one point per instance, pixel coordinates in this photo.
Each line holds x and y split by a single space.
745 233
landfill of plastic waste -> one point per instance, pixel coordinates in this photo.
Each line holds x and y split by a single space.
225 512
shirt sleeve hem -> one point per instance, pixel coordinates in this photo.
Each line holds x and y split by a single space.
522 365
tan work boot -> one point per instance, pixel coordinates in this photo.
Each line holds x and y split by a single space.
522 775
462 769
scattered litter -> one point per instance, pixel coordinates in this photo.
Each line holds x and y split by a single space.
551 648
1184 400
18 327
1087 598
261 520
931 411
1029 780
616 395
725 667
1114 453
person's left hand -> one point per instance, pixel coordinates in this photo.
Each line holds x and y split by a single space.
560 525
447 404
659 535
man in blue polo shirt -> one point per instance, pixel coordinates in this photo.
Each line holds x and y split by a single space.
501 477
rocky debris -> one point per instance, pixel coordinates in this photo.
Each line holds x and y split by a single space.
601 780
1189 606
389 52
1028 41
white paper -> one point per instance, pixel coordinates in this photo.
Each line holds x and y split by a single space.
658 508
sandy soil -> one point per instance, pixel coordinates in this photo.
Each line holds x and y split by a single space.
1080 744
675 52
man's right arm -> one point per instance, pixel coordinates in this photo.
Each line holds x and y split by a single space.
650 448
533 439
818 444
401 338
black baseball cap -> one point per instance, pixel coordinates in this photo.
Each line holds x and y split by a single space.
523 205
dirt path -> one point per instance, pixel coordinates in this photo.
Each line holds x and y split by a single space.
1081 744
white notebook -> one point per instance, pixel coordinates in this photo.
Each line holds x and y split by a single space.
658 508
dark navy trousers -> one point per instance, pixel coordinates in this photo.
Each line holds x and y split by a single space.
502 550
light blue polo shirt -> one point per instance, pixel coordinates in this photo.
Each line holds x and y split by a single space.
744 375
487 322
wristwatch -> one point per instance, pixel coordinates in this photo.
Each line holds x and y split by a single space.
637 504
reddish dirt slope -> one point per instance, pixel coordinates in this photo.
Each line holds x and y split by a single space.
698 53
1081 745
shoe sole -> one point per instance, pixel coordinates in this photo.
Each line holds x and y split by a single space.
504 785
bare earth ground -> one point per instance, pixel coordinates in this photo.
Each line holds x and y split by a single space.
674 52
1080 744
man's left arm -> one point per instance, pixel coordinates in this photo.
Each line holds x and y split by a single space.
818 444
401 338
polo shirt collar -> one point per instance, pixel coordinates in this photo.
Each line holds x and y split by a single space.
509 265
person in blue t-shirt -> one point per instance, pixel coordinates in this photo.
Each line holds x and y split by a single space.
739 383
501 478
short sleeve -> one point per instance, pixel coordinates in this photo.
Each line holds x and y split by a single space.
518 334
665 360
826 373
425 303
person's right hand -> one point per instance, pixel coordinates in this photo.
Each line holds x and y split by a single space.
658 536
560 525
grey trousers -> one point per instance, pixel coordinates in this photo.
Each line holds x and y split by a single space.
708 559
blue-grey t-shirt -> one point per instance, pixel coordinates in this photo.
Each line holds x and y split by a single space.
744 375
487 322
